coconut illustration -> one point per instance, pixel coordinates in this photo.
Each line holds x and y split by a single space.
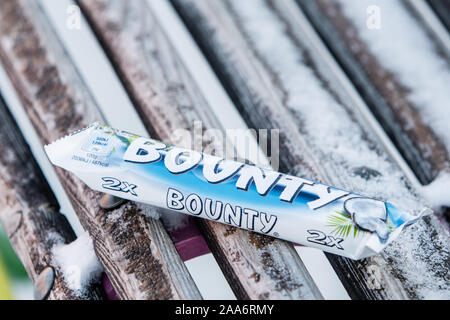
368 214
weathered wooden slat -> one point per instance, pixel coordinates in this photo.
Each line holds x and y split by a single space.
386 95
261 89
167 98
136 252
29 211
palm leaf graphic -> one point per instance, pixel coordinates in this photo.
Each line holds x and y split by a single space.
343 225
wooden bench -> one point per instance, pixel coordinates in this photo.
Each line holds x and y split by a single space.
211 61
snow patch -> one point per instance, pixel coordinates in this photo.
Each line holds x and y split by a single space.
79 263
438 192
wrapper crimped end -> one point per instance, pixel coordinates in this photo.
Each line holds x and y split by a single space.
60 151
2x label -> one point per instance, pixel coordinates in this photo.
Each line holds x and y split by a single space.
117 185
321 238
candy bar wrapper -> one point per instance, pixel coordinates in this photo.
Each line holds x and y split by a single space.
240 195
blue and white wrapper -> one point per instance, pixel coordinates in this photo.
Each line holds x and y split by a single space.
240 195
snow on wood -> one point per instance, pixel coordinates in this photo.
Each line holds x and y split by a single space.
78 263
168 99
138 258
330 132
404 48
401 69
278 81
437 192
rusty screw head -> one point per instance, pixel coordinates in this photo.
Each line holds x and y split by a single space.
109 202
44 284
